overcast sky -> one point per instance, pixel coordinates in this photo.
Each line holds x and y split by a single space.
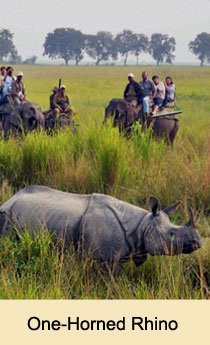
31 20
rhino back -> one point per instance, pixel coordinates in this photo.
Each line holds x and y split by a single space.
106 226
36 206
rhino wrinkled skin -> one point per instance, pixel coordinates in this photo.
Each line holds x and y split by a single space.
111 229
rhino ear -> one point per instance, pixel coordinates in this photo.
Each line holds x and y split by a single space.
171 208
191 221
154 204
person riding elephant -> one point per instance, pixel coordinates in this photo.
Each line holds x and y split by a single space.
61 103
7 83
147 89
3 72
170 92
18 90
159 95
132 91
50 112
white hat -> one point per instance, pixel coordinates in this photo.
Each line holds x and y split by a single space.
62 87
131 75
20 74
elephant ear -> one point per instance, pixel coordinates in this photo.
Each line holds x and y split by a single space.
154 204
4 219
33 110
15 118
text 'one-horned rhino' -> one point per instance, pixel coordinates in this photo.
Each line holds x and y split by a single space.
112 230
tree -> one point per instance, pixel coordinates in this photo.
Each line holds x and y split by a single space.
65 43
201 47
30 60
13 57
141 45
125 42
161 48
7 48
100 46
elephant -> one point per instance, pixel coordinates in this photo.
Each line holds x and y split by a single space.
64 121
126 115
21 119
165 128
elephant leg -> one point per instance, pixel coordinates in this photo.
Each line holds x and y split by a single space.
173 132
1 124
143 122
6 126
3 223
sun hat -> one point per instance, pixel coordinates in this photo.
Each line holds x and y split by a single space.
20 74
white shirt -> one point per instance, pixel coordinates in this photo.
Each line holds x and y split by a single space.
7 85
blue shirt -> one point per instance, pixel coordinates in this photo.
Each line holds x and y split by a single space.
147 87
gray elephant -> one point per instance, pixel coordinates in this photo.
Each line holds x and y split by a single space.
111 229
165 128
5 110
22 119
125 115
51 125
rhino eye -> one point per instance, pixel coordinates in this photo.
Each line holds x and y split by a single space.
172 235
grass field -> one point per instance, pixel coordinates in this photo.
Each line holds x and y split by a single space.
97 159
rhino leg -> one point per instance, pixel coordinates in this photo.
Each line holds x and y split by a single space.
140 259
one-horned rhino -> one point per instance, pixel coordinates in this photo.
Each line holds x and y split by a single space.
111 229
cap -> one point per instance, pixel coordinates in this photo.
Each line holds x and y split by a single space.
55 88
20 74
62 87
131 75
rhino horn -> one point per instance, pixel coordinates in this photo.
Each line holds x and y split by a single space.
154 204
171 208
191 221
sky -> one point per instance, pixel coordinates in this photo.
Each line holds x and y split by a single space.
31 20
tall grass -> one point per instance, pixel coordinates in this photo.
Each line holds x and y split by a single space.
99 159
37 267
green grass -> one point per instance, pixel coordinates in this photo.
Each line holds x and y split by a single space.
99 159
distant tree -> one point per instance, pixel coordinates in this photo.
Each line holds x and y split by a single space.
201 47
141 45
65 43
30 60
14 58
7 47
161 48
100 46
125 43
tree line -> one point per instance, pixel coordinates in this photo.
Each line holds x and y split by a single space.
70 44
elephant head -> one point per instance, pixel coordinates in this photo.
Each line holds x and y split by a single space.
32 116
27 117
